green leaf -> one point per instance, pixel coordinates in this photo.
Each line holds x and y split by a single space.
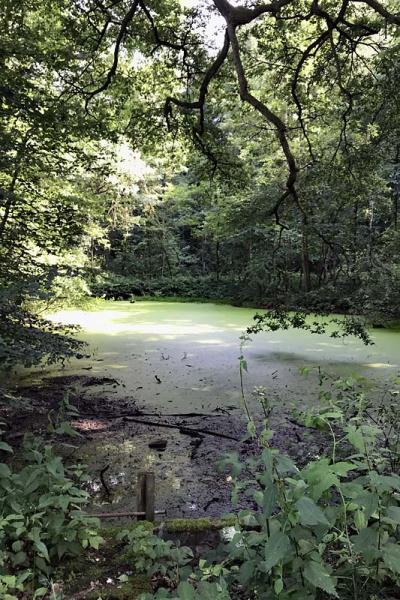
278 586
66 429
42 549
356 438
55 467
276 548
4 470
6 447
360 520
366 543
186 591
268 461
243 364
391 557
285 465
266 499
246 571
319 577
320 477
17 545
363 436
385 482
64 502
369 502
19 558
342 468
309 513
95 541
393 513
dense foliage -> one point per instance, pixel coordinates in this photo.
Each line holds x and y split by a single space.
327 528
281 186
41 510
242 151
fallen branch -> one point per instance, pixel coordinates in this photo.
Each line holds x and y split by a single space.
118 515
144 414
182 429
299 424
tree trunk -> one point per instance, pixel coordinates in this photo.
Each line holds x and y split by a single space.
305 258
217 260
11 190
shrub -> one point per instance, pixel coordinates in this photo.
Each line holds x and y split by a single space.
328 529
28 338
41 518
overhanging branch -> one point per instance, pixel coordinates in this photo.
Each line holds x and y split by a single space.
121 34
200 102
263 109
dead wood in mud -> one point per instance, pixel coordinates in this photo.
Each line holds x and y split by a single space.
191 431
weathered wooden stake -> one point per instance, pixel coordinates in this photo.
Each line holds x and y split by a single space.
141 495
145 496
150 494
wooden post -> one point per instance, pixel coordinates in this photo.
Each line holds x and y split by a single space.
145 496
141 495
150 493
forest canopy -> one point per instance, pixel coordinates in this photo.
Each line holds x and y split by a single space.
246 151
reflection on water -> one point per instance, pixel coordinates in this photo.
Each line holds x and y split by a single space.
125 458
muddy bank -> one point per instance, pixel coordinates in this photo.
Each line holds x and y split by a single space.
117 440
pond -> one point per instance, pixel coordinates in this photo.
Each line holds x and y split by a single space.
178 364
193 350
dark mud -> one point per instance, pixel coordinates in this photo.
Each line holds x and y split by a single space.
119 439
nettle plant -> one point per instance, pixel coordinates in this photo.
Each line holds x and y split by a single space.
150 554
330 527
41 518
173 567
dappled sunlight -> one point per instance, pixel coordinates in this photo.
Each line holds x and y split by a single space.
379 365
164 353
90 424
206 388
110 323
213 341
330 344
233 326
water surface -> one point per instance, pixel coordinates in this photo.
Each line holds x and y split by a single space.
193 349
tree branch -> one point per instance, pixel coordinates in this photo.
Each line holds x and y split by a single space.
380 9
262 108
199 104
121 34
241 15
